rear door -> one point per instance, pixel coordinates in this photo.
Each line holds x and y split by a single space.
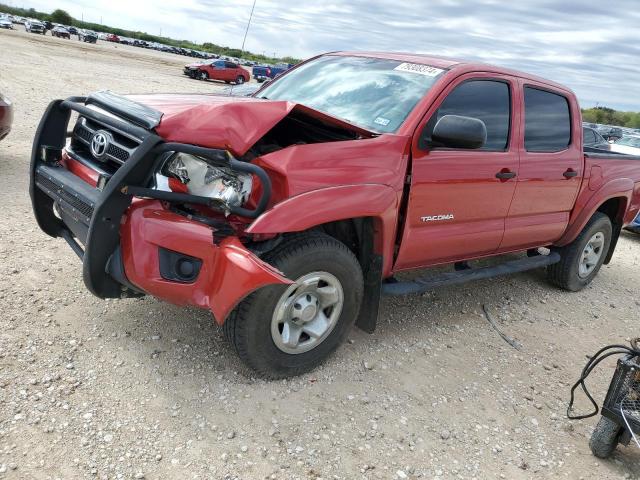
457 205
551 168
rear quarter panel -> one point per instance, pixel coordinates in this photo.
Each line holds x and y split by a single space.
606 177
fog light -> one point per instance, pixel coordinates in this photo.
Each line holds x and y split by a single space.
178 267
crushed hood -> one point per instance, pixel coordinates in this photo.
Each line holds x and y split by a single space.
221 121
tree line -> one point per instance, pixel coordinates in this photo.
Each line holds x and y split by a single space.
64 18
609 116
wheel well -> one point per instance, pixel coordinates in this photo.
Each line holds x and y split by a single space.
614 208
357 234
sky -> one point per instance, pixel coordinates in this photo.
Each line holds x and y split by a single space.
591 46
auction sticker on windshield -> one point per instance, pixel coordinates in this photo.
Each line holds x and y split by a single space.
419 69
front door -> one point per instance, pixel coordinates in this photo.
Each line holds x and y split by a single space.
459 199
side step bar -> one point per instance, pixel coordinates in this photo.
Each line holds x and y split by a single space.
423 284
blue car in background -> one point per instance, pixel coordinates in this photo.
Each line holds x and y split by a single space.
262 73
635 225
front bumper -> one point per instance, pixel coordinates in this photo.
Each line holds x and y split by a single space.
120 240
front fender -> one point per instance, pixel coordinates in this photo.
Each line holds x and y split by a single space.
331 204
586 206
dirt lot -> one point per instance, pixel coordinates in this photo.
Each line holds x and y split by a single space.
141 389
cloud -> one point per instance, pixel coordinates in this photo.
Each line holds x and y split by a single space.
594 48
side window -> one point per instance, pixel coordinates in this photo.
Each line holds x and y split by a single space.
486 100
588 136
230 65
547 123
218 64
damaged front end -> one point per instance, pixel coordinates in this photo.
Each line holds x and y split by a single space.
178 239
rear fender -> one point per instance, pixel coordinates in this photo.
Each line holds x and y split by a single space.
584 209
318 207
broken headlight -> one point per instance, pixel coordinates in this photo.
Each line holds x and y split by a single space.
194 175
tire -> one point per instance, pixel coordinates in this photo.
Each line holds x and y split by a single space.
203 76
239 80
250 328
605 437
567 273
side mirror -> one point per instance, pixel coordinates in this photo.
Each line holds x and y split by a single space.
455 131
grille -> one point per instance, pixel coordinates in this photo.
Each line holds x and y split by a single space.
119 153
57 192
120 149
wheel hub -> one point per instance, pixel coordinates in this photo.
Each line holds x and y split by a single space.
591 255
307 312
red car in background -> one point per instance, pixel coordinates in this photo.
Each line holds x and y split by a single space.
6 116
112 37
218 70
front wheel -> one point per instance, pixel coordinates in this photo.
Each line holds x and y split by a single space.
286 330
203 76
239 80
581 260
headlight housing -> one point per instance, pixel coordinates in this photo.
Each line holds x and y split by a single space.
197 176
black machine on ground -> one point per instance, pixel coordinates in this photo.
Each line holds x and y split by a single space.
620 421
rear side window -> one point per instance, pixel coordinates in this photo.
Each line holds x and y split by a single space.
547 121
486 100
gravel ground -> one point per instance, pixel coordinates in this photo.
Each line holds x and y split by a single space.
141 389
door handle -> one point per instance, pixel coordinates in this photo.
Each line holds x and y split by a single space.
505 174
570 173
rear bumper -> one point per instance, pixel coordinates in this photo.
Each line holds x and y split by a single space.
121 241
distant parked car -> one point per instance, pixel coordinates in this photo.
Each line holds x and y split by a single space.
73 30
635 225
218 70
611 133
244 90
61 32
591 138
6 116
262 73
112 37
87 36
5 22
34 26
628 145
140 43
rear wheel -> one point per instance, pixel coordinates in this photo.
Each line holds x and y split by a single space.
286 330
581 260
604 438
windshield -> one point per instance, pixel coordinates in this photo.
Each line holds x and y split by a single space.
373 93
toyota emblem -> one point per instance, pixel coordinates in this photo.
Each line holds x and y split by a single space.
100 143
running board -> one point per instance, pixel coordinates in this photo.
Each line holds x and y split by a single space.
423 284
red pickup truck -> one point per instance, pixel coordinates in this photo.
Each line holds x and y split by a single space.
287 214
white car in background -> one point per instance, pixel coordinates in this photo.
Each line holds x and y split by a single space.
5 22
628 145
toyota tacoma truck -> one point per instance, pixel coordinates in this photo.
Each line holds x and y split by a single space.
289 213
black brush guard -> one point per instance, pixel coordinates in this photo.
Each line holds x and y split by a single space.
93 216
